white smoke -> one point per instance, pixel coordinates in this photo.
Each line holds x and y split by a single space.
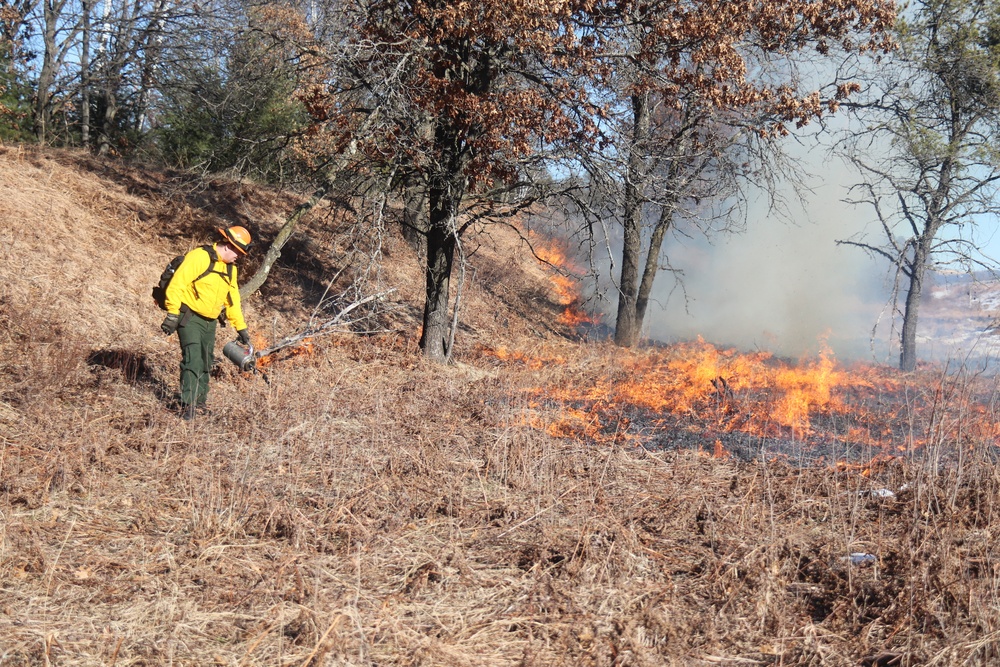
778 286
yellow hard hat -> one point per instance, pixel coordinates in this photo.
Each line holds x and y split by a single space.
238 237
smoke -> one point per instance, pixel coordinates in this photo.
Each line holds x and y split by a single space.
776 287
786 287
779 286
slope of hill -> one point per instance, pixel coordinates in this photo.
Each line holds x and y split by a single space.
364 507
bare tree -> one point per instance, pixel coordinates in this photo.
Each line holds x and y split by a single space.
928 154
702 94
59 29
130 43
688 171
113 64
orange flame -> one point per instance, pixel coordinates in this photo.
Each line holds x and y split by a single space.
705 391
565 280
304 348
719 452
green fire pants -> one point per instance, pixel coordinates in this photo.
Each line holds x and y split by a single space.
197 352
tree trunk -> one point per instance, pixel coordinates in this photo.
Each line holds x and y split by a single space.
440 260
47 73
326 184
151 49
85 78
274 250
414 213
110 106
627 327
652 266
917 268
908 337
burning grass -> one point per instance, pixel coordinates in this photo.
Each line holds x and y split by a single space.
564 277
693 393
366 508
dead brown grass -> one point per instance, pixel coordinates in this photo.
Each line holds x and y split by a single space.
366 508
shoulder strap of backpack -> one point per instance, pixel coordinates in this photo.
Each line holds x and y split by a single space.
212 259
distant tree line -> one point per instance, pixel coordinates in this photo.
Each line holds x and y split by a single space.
195 85
652 113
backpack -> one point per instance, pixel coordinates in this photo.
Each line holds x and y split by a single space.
160 290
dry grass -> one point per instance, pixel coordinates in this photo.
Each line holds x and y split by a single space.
366 508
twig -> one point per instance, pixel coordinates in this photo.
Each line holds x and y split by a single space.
336 621
326 327
114 655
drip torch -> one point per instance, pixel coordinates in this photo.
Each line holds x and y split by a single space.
245 358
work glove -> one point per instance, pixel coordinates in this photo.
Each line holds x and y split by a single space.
244 336
170 323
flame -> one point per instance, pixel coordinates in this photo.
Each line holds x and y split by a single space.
304 348
565 280
807 388
259 342
707 394
719 451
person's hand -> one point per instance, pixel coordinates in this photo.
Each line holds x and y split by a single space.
244 336
170 323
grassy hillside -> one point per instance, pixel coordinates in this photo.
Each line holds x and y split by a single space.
367 508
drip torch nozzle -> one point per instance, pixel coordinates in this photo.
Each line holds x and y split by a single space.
243 357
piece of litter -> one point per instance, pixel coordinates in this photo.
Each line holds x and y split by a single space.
878 493
862 559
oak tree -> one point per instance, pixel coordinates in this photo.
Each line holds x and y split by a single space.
475 91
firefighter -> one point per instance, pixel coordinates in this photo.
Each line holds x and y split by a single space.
195 302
